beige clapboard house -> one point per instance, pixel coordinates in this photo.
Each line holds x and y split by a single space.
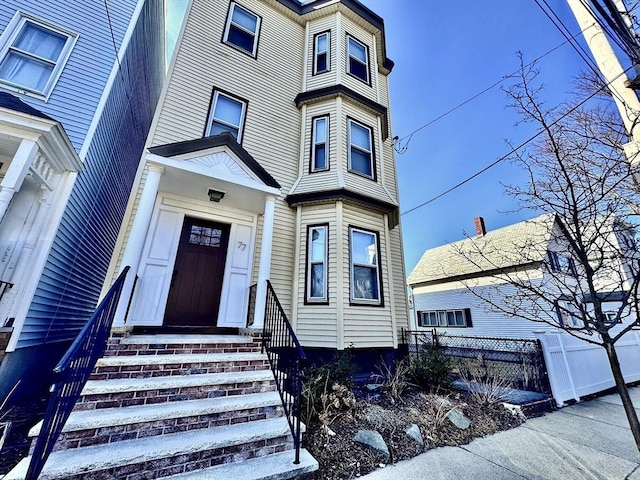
283 108
270 159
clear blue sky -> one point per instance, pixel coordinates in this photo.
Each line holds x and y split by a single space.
447 51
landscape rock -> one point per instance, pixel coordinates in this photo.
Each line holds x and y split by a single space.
373 441
456 417
413 431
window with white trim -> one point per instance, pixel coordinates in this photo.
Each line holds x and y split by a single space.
364 267
445 318
357 59
226 115
320 144
568 315
242 29
360 149
321 49
317 255
33 54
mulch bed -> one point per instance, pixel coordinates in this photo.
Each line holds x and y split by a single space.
341 458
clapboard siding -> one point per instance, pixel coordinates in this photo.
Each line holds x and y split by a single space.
329 78
316 325
486 322
364 325
75 97
76 268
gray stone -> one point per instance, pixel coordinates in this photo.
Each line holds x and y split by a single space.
456 417
414 432
373 441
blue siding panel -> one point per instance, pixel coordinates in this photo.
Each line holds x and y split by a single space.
75 97
75 271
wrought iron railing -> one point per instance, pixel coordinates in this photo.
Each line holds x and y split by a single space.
71 374
520 362
287 359
4 286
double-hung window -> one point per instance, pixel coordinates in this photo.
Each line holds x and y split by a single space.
357 59
568 315
317 254
321 49
242 29
33 54
360 149
561 263
320 144
364 266
226 115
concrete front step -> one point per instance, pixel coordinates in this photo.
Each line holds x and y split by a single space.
164 344
272 467
96 427
173 454
142 366
127 392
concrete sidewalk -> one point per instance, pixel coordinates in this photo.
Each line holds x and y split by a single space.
589 440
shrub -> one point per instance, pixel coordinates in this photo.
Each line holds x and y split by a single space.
431 369
327 389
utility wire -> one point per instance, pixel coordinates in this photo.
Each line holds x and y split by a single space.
513 150
402 144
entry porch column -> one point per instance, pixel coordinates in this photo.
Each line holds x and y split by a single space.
137 237
264 267
18 169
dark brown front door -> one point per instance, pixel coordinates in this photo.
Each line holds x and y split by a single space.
194 295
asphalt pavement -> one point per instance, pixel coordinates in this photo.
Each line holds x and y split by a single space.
588 440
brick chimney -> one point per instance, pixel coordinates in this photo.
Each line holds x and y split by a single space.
479 223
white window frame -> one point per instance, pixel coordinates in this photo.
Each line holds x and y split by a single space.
355 58
216 95
317 53
324 298
350 123
441 318
562 263
256 33
568 315
377 300
9 37
315 143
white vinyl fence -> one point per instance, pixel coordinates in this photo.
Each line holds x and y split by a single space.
577 368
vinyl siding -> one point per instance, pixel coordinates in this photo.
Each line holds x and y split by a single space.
78 90
329 78
316 324
358 33
399 290
366 326
75 271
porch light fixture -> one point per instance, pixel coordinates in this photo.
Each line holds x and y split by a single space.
215 195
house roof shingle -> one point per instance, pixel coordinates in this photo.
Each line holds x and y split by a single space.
518 244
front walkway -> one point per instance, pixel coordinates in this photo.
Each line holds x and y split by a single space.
589 440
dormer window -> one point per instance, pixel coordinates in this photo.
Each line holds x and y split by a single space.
321 48
242 29
357 59
33 54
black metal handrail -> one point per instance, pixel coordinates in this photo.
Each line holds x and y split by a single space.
4 286
287 359
71 374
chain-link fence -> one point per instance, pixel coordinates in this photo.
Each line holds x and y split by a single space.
516 362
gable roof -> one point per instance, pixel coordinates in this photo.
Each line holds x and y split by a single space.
224 139
514 245
12 102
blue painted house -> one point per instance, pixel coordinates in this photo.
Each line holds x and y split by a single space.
78 91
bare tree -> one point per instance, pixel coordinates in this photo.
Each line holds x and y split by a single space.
578 267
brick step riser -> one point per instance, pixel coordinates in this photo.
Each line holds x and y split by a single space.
174 465
159 370
178 349
152 397
100 436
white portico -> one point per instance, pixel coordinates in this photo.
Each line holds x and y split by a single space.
192 236
38 165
